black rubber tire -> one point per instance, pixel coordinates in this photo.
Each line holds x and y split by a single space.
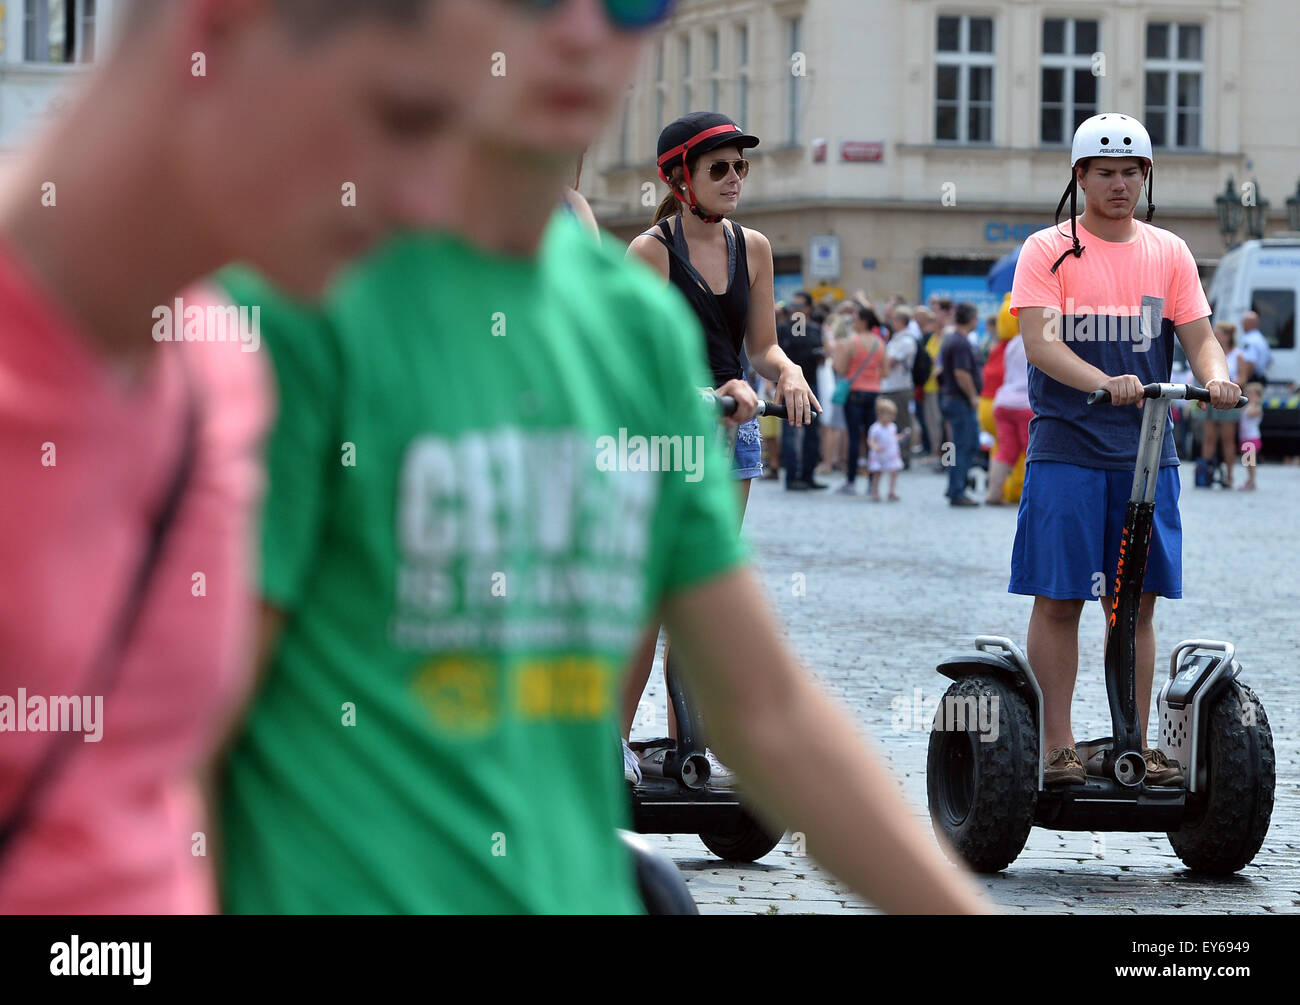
748 841
662 888
983 795
1233 813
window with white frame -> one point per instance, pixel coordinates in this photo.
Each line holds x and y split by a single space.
964 60
715 82
742 75
688 100
59 31
794 95
1069 83
1175 69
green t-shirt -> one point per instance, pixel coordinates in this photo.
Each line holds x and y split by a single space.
466 542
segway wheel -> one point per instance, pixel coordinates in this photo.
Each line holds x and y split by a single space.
1232 813
748 841
983 793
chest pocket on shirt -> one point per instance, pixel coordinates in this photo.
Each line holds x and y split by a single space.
1151 318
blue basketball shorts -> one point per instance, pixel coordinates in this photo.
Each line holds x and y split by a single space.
1069 528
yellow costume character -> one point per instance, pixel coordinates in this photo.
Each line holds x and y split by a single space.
1008 328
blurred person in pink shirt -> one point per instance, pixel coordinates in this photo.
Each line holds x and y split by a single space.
290 134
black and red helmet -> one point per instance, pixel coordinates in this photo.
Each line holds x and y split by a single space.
693 134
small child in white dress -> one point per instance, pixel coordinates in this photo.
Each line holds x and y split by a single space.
884 448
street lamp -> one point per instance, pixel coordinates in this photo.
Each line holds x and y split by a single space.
1293 209
1256 212
1229 207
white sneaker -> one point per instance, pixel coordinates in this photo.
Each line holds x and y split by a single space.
631 767
720 776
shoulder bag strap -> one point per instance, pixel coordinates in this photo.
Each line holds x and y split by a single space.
105 667
870 356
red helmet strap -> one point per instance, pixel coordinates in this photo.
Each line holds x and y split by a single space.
694 204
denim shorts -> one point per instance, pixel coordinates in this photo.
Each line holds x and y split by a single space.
1069 528
747 452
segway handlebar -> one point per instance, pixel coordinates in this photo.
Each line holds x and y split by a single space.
727 406
1183 391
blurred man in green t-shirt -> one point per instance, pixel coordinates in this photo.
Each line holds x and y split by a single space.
465 535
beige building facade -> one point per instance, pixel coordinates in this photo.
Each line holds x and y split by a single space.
925 138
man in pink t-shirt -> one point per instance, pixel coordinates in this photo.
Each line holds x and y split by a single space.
288 135
1099 308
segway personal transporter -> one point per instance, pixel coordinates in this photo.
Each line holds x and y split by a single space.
681 800
985 796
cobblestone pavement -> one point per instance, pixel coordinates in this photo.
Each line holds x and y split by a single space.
893 588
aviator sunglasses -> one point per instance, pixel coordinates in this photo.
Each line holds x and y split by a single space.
718 169
629 15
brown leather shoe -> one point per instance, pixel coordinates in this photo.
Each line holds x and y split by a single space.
1161 770
1063 767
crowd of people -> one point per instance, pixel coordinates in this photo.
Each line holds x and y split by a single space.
901 386
893 416
1228 434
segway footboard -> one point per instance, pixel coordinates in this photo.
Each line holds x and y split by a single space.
1103 804
661 806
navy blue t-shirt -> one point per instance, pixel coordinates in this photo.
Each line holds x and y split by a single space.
955 353
1119 304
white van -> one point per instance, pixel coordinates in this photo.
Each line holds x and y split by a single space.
1263 276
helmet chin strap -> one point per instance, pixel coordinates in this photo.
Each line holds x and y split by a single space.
1077 249
691 202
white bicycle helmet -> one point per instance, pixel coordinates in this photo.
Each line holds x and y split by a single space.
1111 134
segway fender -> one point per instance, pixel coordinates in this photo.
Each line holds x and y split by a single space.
982 665
1002 658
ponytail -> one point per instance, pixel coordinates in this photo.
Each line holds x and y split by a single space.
667 208
671 205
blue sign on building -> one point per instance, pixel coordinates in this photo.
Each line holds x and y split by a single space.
996 232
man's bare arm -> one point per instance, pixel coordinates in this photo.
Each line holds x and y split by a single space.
761 706
1041 330
1205 357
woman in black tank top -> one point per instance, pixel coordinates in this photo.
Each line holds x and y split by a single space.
723 271
725 274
